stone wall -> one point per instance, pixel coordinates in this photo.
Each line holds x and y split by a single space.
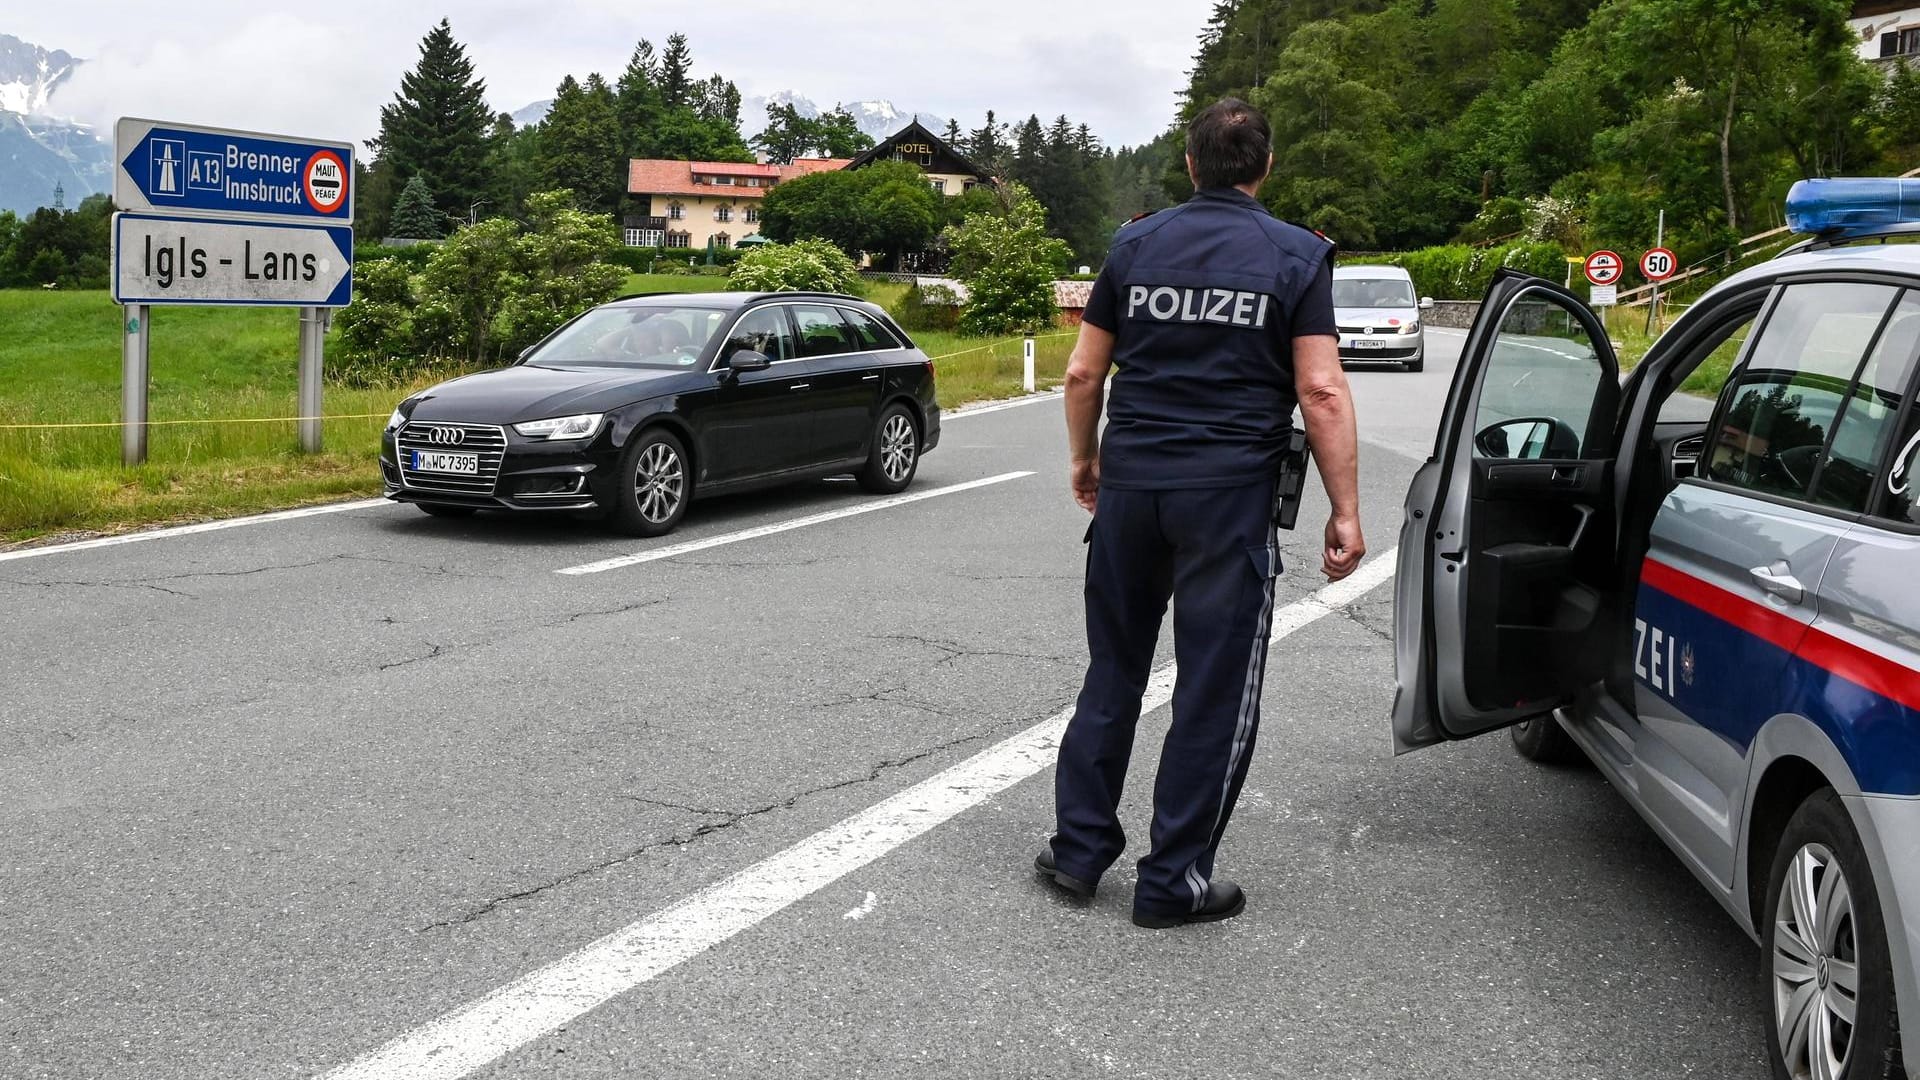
1454 313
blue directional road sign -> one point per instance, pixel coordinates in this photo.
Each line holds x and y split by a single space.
180 168
170 259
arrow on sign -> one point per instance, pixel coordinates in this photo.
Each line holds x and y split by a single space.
161 259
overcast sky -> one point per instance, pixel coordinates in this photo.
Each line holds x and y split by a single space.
325 70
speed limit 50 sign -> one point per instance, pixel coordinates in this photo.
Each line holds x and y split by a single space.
1658 264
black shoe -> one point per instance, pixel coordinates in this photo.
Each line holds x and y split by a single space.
1043 862
1224 901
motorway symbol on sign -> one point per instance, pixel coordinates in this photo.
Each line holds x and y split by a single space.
169 259
1658 264
179 167
1604 267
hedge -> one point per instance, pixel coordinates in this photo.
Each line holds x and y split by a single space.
642 260
412 256
1461 272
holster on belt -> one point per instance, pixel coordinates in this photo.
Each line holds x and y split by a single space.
1293 479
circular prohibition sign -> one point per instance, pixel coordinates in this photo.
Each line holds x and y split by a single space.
1604 268
1658 264
326 182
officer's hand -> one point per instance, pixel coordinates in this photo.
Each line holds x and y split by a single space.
1086 482
1345 548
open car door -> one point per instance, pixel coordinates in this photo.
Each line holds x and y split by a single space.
1501 600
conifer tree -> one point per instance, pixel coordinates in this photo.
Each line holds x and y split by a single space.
436 127
580 145
414 215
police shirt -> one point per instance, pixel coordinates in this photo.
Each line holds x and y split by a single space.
1204 301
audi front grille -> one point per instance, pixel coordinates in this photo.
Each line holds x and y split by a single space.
437 436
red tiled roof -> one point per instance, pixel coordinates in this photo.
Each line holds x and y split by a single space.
653 176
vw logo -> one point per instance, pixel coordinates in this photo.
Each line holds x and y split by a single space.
446 436
1368 330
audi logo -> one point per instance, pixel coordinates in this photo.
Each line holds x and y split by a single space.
446 436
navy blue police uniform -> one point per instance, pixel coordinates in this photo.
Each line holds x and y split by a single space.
1204 301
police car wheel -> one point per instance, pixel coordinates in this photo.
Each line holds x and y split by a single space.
1830 1005
1415 366
895 453
433 510
1542 739
656 485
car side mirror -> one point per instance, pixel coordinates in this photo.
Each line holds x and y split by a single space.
1426 303
747 360
1529 438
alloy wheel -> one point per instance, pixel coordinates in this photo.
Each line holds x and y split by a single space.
897 448
659 483
1816 972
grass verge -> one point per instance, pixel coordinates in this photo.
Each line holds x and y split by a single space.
60 364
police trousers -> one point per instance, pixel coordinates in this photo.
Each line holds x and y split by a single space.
1215 553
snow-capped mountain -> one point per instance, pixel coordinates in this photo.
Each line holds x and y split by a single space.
38 150
877 119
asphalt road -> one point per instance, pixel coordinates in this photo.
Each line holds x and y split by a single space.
275 795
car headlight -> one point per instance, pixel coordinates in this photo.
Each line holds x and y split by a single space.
398 418
561 427
1410 328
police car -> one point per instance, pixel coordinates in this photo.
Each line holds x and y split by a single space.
1724 616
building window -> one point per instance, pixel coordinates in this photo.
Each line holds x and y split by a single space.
724 213
645 237
679 240
753 181
675 211
722 241
720 181
939 186
753 214
1903 42
969 186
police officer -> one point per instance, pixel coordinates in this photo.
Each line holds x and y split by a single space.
1219 319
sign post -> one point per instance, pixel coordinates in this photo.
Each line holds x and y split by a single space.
133 385
217 216
1657 266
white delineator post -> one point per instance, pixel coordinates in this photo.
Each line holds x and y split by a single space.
1028 378
133 386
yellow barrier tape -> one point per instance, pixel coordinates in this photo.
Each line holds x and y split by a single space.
373 416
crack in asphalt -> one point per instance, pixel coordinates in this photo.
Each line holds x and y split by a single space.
956 651
100 585
1353 614
727 819
438 650
621 610
892 695
152 582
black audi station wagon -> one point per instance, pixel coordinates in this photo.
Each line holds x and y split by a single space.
637 407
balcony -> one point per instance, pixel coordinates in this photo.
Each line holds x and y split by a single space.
637 222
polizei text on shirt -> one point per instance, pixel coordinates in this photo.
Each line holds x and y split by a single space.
1228 307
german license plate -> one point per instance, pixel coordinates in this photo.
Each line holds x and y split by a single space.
435 461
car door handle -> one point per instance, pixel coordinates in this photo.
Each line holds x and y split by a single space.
800 386
869 378
1778 580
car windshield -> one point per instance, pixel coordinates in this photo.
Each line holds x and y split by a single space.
651 336
1372 292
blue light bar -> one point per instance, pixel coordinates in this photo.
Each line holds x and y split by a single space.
1852 205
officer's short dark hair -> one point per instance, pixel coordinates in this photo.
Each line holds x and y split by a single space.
1229 142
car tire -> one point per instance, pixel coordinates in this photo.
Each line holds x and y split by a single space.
1805 967
1416 365
442 511
654 485
894 456
1542 739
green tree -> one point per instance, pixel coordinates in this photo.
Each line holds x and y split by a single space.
437 125
1329 135
840 135
676 73
638 101
885 209
414 215
579 148
811 265
788 135
1009 264
561 267
987 146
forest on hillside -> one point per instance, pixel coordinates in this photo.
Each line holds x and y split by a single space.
1404 123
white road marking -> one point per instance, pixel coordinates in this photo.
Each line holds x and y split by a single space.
548 999
865 909
996 406
187 530
759 531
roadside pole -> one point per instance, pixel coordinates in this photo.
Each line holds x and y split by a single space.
1028 379
1659 241
313 341
133 386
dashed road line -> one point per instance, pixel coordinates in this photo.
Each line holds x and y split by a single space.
758 531
543 1001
